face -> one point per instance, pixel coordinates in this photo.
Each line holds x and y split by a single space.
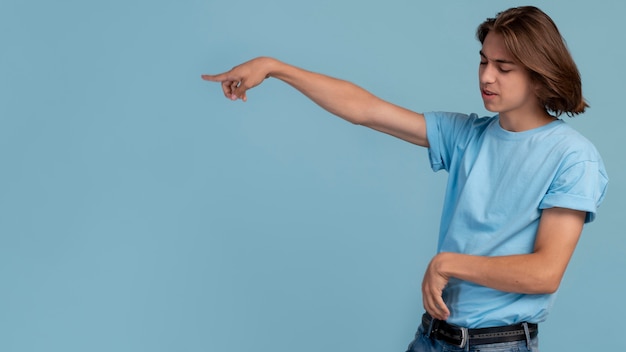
505 85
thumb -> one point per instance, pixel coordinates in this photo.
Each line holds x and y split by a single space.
240 92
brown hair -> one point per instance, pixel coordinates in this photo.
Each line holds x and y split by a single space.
536 43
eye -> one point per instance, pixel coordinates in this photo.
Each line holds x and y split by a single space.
483 62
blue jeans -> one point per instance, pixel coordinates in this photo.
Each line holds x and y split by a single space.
423 343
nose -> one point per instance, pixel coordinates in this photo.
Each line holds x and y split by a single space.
486 73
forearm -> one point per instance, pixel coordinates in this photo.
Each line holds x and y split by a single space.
337 96
526 273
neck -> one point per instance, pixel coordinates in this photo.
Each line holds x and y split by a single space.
524 122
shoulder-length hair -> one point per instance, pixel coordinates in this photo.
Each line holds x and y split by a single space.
535 42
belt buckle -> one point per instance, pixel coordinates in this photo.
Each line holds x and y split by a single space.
464 337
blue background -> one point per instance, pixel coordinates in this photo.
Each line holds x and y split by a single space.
140 210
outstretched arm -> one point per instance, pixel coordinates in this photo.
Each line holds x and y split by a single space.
539 272
339 97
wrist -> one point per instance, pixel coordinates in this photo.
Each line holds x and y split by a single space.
442 263
270 65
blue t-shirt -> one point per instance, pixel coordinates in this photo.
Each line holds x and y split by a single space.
499 182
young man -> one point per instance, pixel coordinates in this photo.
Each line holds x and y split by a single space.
521 183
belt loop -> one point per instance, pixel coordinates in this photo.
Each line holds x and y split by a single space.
430 326
525 325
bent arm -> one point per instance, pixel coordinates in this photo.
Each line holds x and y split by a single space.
337 96
539 272
536 273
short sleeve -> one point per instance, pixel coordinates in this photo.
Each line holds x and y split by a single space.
581 186
446 131
435 150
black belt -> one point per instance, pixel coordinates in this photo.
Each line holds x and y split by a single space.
460 337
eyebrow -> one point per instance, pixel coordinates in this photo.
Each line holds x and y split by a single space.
501 61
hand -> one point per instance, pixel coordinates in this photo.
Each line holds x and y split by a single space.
432 289
240 78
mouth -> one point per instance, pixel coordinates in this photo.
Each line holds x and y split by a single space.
487 93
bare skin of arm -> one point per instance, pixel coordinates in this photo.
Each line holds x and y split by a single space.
539 272
339 97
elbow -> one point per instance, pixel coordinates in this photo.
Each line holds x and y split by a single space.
366 112
545 283
355 116
358 121
549 288
361 117
364 121
552 285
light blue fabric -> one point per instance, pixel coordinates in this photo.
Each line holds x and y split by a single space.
498 184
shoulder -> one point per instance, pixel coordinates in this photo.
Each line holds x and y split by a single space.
572 145
457 117
454 123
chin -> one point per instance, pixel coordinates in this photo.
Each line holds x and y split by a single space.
490 109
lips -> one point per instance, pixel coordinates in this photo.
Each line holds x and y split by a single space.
488 95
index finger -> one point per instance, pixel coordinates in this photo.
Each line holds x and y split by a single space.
214 78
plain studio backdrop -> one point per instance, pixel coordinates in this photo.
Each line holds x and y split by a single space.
140 210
